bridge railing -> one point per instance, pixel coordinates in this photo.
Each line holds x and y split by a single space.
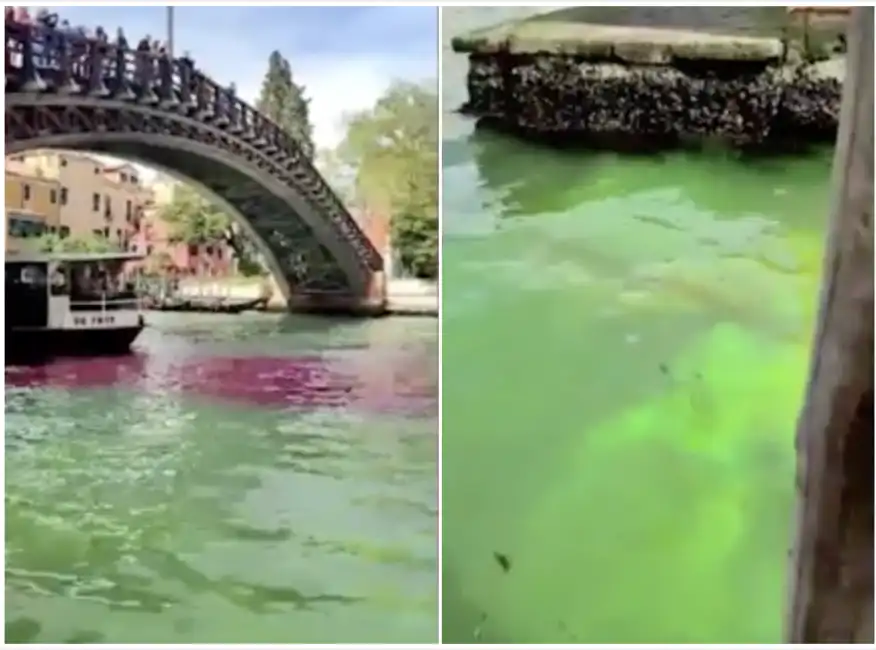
39 59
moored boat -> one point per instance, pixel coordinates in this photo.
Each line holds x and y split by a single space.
69 304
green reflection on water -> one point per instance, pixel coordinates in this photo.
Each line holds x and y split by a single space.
625 346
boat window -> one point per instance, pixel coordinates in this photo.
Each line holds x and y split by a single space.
33 275
60 286
100 285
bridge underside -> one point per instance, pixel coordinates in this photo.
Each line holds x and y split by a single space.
316 268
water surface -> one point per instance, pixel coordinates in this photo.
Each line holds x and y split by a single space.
238 479
624 353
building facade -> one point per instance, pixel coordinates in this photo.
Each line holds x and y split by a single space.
32 207
93 199
155 239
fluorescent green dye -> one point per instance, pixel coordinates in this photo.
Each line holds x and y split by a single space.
625 348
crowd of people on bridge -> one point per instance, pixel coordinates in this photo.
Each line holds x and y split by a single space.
54 44
51 41
52 24
46 44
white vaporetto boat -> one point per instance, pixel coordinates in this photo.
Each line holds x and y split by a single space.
70 304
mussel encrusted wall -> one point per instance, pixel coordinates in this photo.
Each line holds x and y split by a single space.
562 95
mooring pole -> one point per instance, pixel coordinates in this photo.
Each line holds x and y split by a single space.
170 31
831 572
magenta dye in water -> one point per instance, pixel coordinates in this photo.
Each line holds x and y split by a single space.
349 379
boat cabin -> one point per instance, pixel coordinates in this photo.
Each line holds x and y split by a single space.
70 291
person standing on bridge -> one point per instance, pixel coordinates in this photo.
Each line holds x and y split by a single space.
46 19
121 51
143 61
231 109
66 29
22 16
121 41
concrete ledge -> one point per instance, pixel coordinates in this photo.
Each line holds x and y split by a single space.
331 304
634 45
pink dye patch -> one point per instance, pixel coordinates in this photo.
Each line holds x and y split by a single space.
350 379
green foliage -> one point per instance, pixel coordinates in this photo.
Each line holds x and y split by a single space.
196 220
283 101
249 259
193 219
394 149
52 243
340 176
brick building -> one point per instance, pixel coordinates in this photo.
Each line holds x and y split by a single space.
215 259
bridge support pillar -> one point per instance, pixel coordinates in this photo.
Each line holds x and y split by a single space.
372 304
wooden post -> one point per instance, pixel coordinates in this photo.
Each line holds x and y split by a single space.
831 579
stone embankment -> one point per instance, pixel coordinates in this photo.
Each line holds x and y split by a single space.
404 297
565 81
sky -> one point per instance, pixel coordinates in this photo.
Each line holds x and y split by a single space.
344 56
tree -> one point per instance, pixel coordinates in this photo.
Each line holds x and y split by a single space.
393 148
195 220
337 173
283 101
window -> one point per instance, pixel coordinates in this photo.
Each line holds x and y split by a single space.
106 233
193 250
97 232
134 179
95 202
208 250
218 252
63 161
64 232
26 192
124 177
119 234
149 249
53 196
107 207
64 196
129 211
96 170
21 226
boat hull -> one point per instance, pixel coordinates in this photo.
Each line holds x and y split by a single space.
41 345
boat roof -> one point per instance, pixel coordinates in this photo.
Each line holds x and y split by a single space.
44 258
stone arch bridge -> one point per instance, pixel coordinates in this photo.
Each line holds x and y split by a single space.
75 94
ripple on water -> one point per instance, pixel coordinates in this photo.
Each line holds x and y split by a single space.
208 498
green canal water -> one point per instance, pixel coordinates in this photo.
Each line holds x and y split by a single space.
625 345
239 479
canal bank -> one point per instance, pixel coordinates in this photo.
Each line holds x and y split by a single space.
405 297
641 77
